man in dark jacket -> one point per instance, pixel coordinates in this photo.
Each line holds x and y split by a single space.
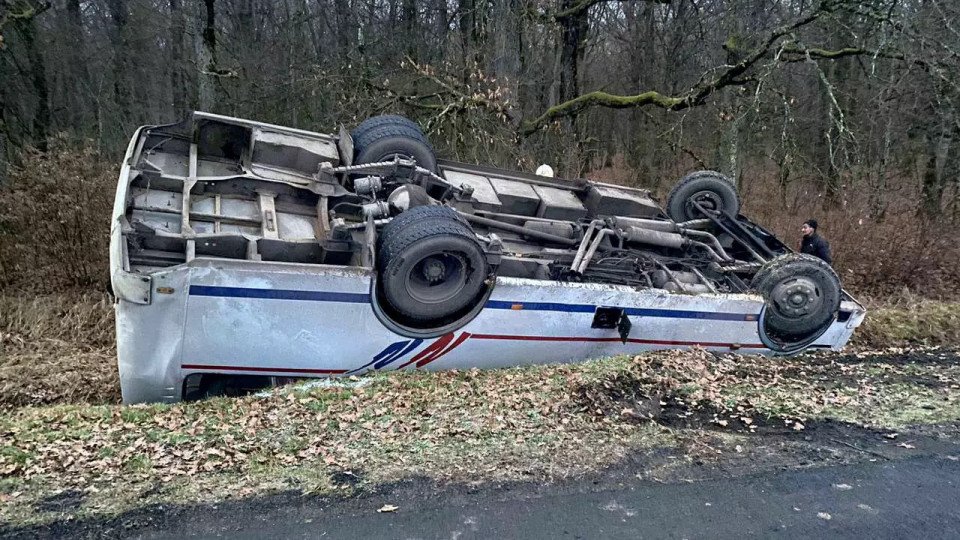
812 244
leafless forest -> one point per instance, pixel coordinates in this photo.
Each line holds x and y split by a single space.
840 110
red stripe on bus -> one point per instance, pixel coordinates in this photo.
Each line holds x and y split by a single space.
613 339
463 337
265 369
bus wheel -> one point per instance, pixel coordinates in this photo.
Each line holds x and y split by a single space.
802 296
386 142
708 189
431 267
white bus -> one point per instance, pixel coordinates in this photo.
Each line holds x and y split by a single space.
242 252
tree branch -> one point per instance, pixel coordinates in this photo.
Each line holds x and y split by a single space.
27 12
696 95
583 5
602 99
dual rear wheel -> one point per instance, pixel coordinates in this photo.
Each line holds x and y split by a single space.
433 274
803 297
432 271
382 138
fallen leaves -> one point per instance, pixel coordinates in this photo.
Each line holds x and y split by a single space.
535 422
516 420
747 392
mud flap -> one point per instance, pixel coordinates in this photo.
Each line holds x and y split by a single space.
606 317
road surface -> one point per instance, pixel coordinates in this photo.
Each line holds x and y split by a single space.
913 498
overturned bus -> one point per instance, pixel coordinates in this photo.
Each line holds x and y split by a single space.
243 252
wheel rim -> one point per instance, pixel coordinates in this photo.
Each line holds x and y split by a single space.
436 278
797 297
394 155
708 200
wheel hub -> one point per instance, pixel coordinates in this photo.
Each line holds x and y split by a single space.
797 297
434 270
437 278
708 200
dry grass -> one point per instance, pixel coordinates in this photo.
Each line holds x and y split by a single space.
57 349
511 424
55 220
909 321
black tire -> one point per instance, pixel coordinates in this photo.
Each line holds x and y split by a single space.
370 136
431 269
385 120
711 189
418 213
802 294
385 142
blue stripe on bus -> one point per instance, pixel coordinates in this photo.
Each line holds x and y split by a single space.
279 294
362 298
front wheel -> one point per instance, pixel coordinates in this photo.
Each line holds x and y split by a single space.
802 296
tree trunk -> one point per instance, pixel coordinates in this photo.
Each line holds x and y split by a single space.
441 25
878 204
728 149
118 40
939 142
468 22
346 30
207 60
38 80
6 142
78 67
951 179
828 143
178 83
573 34
411 29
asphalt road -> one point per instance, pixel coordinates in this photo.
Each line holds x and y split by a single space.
917 498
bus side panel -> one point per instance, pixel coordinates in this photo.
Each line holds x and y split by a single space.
303 323
150 339
321 323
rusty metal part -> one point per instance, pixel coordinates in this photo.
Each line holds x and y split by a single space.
704 279
585 243
493 224
593 249
711 239
656 238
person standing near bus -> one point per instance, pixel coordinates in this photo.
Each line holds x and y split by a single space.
812 243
